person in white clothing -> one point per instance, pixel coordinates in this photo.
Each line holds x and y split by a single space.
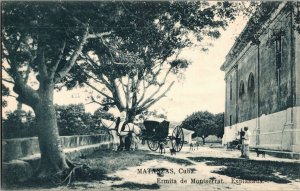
120 127
246 142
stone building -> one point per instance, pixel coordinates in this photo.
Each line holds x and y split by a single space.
263 79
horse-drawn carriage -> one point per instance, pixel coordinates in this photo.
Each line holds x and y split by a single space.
156 132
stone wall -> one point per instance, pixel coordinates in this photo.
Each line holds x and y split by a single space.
20 157
276 131
231 97
273 88
276 83
23 147
297 68
247 100
271 109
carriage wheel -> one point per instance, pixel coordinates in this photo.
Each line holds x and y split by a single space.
153 145
177 139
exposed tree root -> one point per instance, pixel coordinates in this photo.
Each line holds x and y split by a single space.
65 177
71 174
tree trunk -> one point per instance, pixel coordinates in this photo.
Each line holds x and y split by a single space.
53 159
130 115
203 140
19 109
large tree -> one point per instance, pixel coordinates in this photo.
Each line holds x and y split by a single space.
45 39
132 68
202 122
219 120
4 93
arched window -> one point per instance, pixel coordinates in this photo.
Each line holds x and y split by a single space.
242 88
251 84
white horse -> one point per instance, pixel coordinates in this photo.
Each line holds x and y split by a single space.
115 133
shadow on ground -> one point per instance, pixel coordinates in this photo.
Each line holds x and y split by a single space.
137 186
279 172
95 168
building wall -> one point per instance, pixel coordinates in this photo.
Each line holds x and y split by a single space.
247 102
188 137
271 110
275 93
231 101
297 69
276 133
296 116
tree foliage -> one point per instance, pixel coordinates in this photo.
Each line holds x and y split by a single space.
101 113
219 120
19 126
110 40
134 64
148 114
4 93
74 120
45 39
71 119
204 124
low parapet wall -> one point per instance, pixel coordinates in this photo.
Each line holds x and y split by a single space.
278 131
20 157
22 147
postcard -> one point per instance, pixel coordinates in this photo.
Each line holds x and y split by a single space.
150 95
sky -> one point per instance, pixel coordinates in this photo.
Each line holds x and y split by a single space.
202 89
204 85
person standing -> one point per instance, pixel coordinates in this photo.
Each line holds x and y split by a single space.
242 134
246 142
120 126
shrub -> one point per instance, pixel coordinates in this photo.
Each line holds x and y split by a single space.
71 120
19 124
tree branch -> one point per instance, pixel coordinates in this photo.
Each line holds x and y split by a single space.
94 88
117 94
53 69
126 91
99 103
5 69
8 81
13 96
123 85
95 101
27 95
27 74
157 90
100 75
88 75
153 101
43 74
64 71
97 35
165 78
143 94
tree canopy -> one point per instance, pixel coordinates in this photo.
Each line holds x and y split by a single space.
204 124
47 45
132 67
219 120
43 40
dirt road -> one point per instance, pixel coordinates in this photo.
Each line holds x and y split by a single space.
198 176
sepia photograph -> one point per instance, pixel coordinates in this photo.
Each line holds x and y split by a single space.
150 95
